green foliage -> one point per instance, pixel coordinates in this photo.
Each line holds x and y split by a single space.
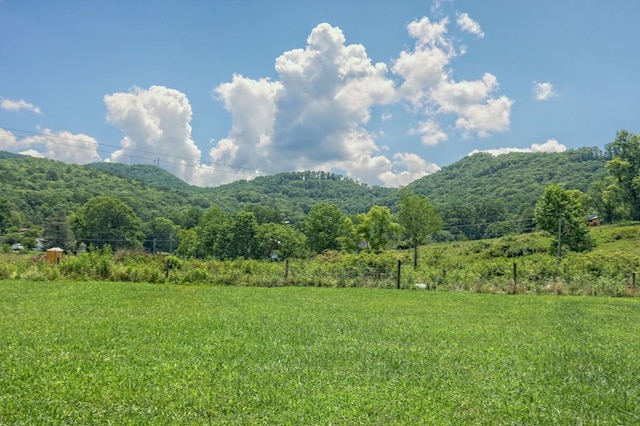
478 266
625 168
207 238
145 173
105 220
324 227
279 242
161 235
560 213
608 200
294 194
5 215
57 231
376 228
239 237
418 219
513 179
500 229
29 186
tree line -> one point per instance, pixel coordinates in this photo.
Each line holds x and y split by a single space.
194 223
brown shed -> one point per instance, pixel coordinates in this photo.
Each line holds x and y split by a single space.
54 254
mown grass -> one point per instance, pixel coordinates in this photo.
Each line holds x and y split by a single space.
122 353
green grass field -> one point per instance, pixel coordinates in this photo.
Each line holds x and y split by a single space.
121 353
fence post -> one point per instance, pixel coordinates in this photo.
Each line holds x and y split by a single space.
633 282
515 275
286 269
399 263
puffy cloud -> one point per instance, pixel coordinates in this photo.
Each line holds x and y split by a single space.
456 97
63 146
32 153
415 166
429 131
315 113
313 116
429 87
76 148
467 24
155 121
7 140
483 119
424 68
551 145
252 104
543 91
11 105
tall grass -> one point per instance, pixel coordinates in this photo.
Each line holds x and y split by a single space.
120 353
514 264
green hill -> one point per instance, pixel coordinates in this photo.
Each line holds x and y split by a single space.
150 175
514 179
34 187
295 193
472 193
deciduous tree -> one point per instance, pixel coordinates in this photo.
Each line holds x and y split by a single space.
284 241
161 235
377 227
239 237
324 227
560 213
105 220
625 167
418 219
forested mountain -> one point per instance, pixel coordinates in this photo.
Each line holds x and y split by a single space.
34 187
473 192
144 173
514 179
295 193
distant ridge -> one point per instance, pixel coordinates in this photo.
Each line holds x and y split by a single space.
515 181
151 175
516 178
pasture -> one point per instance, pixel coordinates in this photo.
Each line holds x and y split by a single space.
124 353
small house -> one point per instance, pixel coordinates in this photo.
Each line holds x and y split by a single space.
592 220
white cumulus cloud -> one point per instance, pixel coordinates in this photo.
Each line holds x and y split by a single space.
156 123
7 140
11 105
314 115
467 24
415 166
428 85
76 148
551 145
32 153
429 131
543 91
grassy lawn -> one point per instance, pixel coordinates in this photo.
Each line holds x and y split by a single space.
117 353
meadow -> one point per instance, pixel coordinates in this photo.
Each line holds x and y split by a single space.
122 353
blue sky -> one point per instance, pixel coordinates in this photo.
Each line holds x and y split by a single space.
383 92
